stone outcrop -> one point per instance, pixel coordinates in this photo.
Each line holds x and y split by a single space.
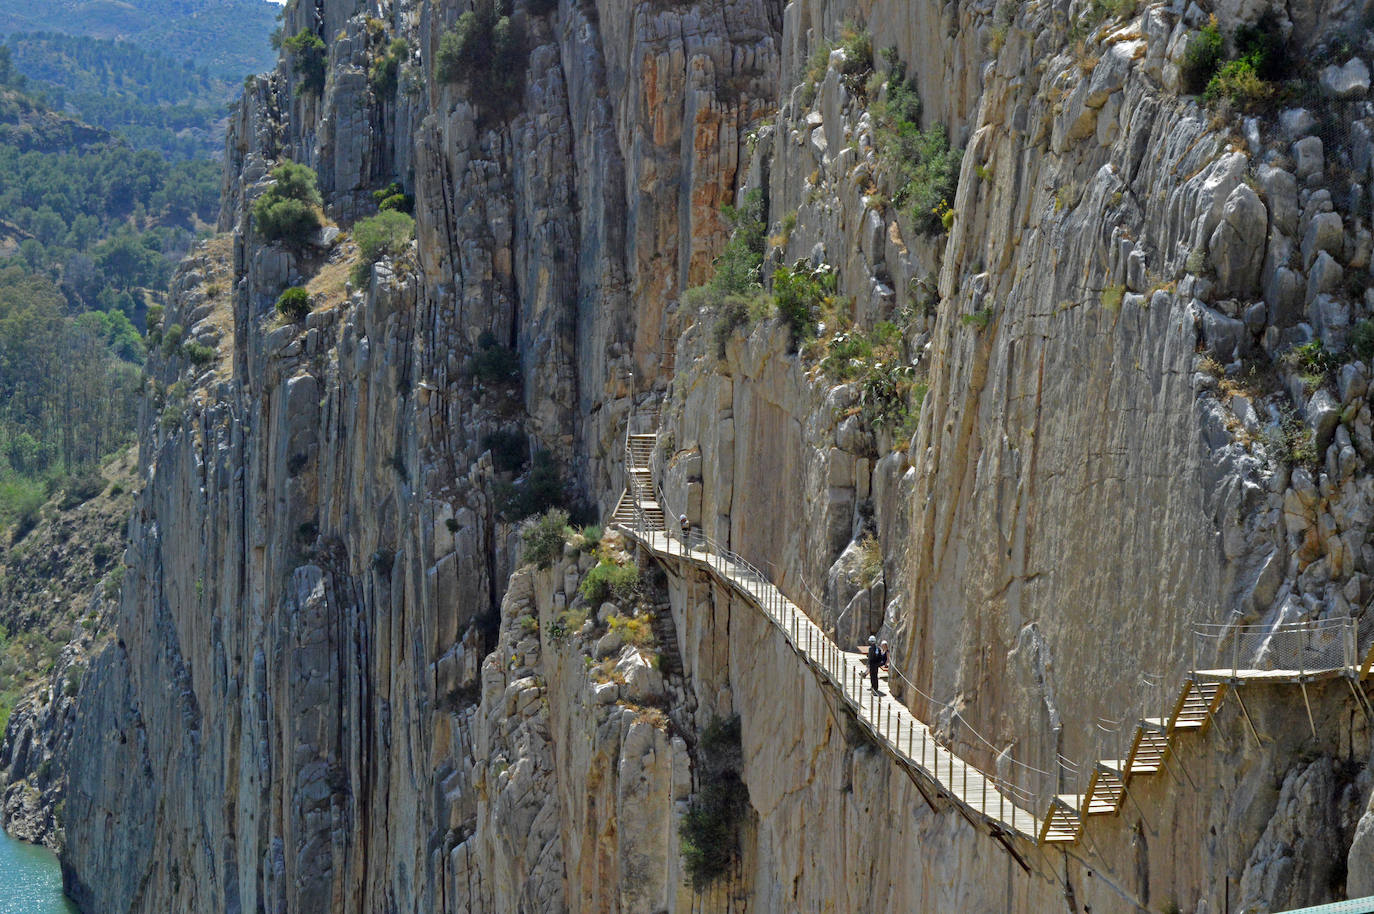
333 686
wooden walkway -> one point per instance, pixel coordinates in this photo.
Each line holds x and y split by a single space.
1006 810
904 737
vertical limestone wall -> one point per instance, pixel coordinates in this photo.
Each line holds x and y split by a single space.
323 697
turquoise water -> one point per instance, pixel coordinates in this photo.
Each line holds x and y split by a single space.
30 880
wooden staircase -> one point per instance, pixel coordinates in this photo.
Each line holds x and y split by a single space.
639 501
1197 701
1146 743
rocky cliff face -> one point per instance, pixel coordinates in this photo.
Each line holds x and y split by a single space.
61 578
332 689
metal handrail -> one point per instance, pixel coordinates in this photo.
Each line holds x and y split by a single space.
1026 786
704 548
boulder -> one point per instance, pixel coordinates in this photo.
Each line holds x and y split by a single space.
1349 81
1324 233
1237 244
1310 156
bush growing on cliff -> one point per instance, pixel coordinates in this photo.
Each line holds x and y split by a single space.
542 488
858 53
386 234
1289 441
381 74
394 196
1248 81
710 829
294 304
923 168
289 211
608 580
486 50
735 291
1362 339
509 449
493 363
308 57
890 390
171 339
544 538
199 354
1201 58
800 294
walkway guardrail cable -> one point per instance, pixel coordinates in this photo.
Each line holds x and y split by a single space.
1012 797
893 724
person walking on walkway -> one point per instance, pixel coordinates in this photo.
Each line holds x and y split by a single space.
877 660
686 528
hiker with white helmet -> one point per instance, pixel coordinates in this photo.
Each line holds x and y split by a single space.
877 659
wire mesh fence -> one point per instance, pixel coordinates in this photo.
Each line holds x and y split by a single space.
1280 650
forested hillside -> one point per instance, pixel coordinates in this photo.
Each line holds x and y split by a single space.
227 37
88 236
155 101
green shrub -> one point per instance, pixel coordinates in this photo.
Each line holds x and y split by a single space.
591 537
978 320
800 294
73 683
79 489
1263 44
608 580
381 75
1312 362
383 235
114 581
171 339
710 829
493 363
289 210
1238 82
294 304
199 354
487 51
736 268
544 538
734 290
509 449
1201 58
848 356
394 197
923 168
732 313
386 234
1290 441
885 396
291 221
542 488
858 51
308 61
636 630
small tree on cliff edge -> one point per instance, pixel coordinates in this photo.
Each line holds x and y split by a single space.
309 56
486 50
290 209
